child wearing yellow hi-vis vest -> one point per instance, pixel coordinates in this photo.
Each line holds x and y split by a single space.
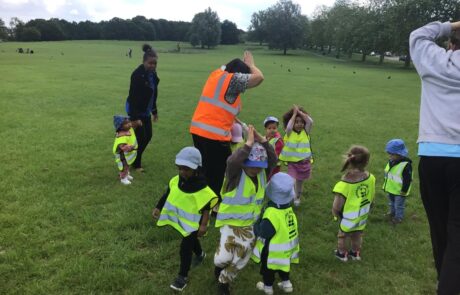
398 178
296 150
185 206
353 196
242 195
277 244
125 146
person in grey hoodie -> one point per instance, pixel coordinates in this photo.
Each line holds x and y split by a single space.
439 145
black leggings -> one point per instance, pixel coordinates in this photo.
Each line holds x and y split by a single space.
143 136
440 191
188 246
214 154
268 275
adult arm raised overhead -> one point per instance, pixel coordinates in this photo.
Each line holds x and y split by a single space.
256 76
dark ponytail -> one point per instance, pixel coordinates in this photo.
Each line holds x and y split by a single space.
149 52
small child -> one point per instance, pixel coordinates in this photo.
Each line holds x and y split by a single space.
297 151
353 196
125 146
237 137
185 206
274 138
242 196
278 236
398 178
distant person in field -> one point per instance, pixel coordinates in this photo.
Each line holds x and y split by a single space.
125 146
353 196
296 151
274 138
398 178
130 52
141 103
439 144
185 206
216 111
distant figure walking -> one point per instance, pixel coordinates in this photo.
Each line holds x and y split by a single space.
142 100
439 145
130 53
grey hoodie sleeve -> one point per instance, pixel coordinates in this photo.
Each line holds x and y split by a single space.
426 55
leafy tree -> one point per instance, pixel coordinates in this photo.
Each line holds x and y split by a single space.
257 29
285 26
50 29
3 30
16 27
206 26
31 34
230 33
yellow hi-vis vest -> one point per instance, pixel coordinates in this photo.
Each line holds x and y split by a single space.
296 147
242 205
182 210
129 156
283 248
393 179
273 142
359 196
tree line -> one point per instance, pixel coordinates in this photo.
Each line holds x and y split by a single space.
347 27
137 28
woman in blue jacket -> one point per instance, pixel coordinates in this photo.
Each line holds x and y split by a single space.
142 100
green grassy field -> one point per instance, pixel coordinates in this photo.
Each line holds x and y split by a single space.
67 226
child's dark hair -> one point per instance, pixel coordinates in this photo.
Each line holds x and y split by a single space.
357 157
149 52
237 66
288 115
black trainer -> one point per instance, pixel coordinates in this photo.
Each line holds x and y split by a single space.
198 260
224 289
179 283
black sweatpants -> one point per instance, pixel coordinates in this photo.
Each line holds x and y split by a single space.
440 191
214 154
143 136
188 246
268 275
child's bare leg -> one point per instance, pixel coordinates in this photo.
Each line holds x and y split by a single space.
356 241
342 242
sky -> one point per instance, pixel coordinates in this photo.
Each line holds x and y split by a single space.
237 11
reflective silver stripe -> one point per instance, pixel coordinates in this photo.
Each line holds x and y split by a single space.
219 85
220 104
295 154
297 145
177 220
395 178
263 180
350 224
131 157
256 252
279 261
295 255
240 216
211 129
189 216
356 214
285 246
239 200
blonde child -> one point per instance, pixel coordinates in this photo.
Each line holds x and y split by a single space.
242 196
398 178
297 151
274 138
185 206
353 196
278 235
125 146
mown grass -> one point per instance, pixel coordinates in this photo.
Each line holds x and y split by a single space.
69 227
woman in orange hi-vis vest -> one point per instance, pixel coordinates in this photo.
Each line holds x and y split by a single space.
216 111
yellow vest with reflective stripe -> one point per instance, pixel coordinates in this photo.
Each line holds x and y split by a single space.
273 142
296 147
129 156
359 197
283 248
393 179
182 210
242 205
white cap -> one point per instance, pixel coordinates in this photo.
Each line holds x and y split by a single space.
270 119
189 157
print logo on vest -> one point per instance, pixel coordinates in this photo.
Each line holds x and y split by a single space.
362 191
291 225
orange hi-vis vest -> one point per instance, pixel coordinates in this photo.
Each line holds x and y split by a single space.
214 117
